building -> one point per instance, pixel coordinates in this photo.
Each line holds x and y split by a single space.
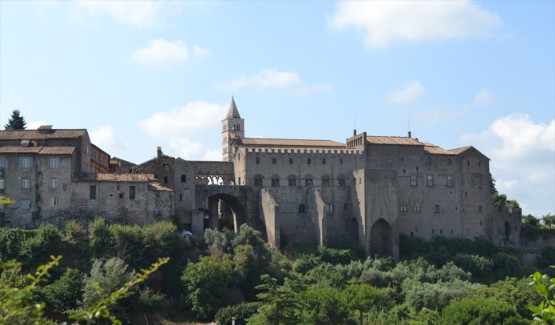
370 188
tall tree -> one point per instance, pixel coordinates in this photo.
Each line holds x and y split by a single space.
16 122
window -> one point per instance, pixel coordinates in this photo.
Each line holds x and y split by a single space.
403 208
329 208
345 206
53 183
258 181
290 161
54 161
25 183
273 161
2 184
413 180
308 161
449 161
180 197
341 161
80 204
92 192
449 180
308 182
302 208
275 182
292 181
417 207
26 162
183 178
165 179
25 204
257 160
436 210
480 209
430 180
341 182
132 192
325 181
323 161
2 162
54 201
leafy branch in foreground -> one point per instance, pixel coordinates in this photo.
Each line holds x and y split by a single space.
18 302
545 286
101 310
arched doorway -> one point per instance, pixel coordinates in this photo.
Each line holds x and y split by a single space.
381 239
224 212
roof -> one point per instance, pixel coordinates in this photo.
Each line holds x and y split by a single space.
437 150
291 143
125 177
457 151
233 112
39 150
393 140
36 134
155 186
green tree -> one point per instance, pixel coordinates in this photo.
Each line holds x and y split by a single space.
207 284
531 220
323 305
480 311
549 220
277 304
362 297
16 122
62 295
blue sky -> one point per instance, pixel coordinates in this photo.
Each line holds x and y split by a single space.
141 74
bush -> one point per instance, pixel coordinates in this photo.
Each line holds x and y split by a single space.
480 311
63 294
241 312
475 264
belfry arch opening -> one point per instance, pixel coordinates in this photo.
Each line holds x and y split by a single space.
223 212
381 239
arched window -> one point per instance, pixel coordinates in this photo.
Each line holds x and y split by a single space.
325 181
308 181
257 180
292 180
302 208
275 181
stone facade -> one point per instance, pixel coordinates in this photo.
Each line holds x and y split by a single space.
370 188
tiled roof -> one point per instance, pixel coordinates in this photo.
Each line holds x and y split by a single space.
35 134
457 151
125 177
393 140
39 150
155 186
436 150
291 143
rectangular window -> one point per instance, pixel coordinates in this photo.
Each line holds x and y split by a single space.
80 204
258 181
92 192
25 204
2 162
273 161
132 192
183 178
436 210
413 180
341 182
308 182
430 180
308 161
54 201
25 162
449 180
292 181
53 183
25 183
2 184
329 208
54 161
325 182
275 182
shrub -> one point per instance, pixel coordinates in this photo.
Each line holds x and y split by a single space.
241 312
480 311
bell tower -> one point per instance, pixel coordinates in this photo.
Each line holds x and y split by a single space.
233 128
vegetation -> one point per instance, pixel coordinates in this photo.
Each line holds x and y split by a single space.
228 274
16 121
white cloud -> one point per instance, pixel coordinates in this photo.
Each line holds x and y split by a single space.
411 92
185 120
105 138
522 160
271 78
484 98
35 124
133 13
383 22
162 53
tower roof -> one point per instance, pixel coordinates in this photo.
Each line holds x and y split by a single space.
233 112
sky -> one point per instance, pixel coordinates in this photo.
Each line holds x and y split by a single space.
141 74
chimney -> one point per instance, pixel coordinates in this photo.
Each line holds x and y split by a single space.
410 134
159 151
354 132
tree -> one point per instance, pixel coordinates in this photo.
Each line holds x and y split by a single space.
363 297
16 122
278 304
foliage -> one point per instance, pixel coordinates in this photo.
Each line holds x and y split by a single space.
362 297
241 313
62 295
531 220
101 239
277 304
549 220
18 303
475 264
46 242
479 311
12 240
434 295
207 284
323 305
16 121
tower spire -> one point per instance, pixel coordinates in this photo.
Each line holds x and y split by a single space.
232 112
